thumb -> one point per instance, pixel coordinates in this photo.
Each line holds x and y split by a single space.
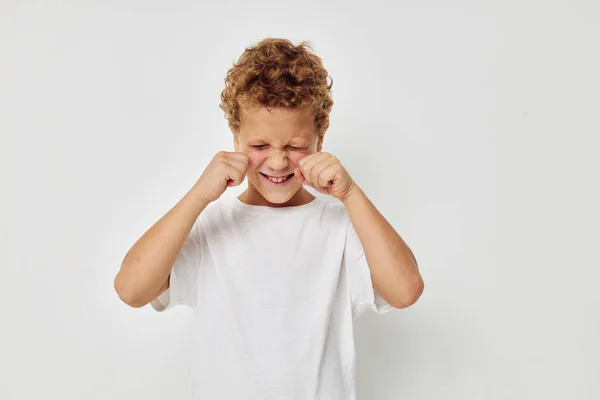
299 175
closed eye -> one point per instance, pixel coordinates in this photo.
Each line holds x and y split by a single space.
264 146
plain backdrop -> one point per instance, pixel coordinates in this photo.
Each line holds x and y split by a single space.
473 126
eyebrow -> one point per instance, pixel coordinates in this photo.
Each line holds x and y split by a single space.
297 140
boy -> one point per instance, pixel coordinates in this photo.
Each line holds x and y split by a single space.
273 275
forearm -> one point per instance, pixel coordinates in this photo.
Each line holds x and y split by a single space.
393 267
147 265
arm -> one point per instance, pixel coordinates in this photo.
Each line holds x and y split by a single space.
394 271
393 267
144 272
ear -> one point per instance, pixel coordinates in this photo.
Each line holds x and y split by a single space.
320 142
236 141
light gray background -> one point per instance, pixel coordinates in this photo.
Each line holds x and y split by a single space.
473 126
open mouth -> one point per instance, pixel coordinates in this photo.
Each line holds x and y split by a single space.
277 180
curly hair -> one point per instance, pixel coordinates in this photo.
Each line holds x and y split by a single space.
275 73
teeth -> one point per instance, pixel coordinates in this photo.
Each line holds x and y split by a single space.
277 180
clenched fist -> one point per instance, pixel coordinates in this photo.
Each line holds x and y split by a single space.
225 169
326 174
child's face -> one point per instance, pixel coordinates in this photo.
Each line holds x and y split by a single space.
275 142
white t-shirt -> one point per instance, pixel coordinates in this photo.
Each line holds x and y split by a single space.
275 292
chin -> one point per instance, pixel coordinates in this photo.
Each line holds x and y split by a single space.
278 197
275 195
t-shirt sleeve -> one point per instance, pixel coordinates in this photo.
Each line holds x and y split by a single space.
358 274
183 284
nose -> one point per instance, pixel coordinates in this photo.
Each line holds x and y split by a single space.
278 160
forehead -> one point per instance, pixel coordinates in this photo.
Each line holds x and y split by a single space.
278 124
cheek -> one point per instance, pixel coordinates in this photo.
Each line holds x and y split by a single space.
296 156
254 160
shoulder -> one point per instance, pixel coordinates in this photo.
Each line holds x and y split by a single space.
214 213
333 209
217 209
210 218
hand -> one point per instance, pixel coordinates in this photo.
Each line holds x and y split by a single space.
225 169
324 173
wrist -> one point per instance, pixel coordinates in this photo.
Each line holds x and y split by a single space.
198 194
353 192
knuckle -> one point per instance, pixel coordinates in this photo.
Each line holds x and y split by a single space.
240 156
221 156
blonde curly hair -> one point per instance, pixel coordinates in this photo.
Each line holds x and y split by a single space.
275 73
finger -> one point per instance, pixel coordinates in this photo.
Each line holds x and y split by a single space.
308 160
303 181
314 167
317 170
328 175
298 174
235 176
238 158
238 155
308 165
238 164
307 157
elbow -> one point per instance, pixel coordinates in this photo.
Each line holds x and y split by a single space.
409 295
126 292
